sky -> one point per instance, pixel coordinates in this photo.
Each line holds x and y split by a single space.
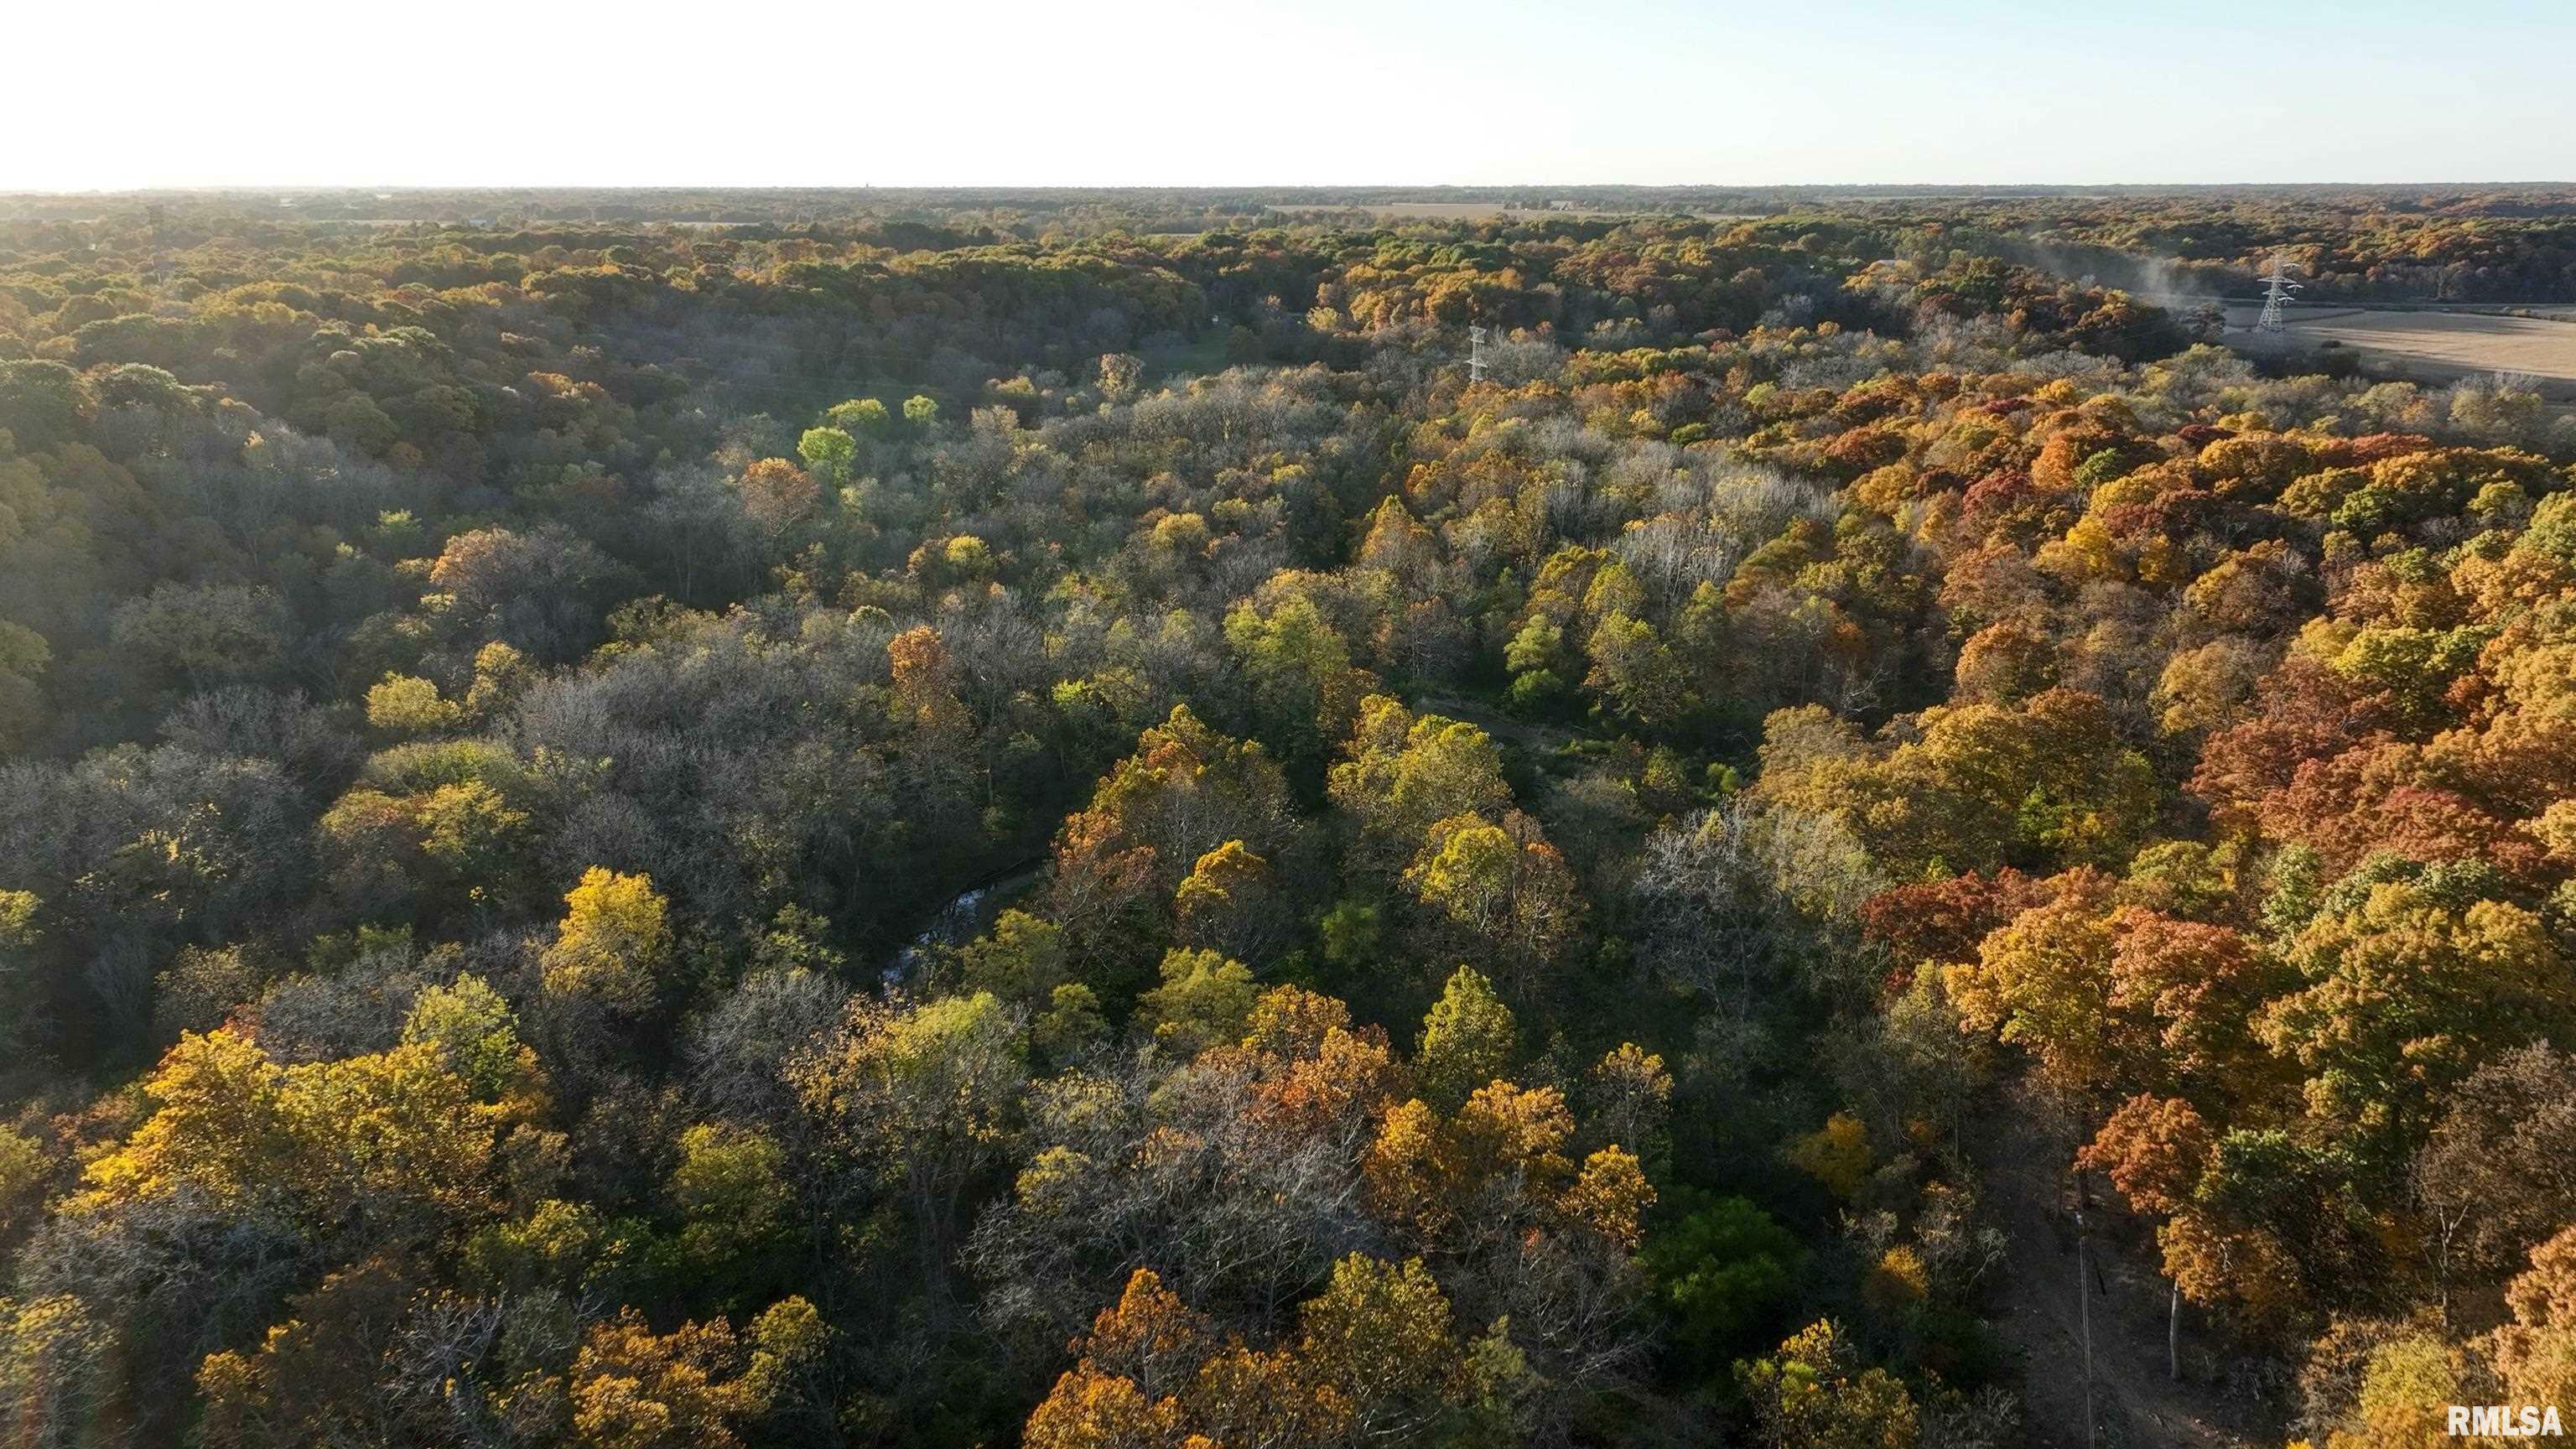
1276 92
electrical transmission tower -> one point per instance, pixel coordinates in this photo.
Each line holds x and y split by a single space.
1475 355
2276 296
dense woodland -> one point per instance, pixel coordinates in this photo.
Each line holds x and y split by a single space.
2181 245
1508 911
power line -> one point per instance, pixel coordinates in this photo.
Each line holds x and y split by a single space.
2276 294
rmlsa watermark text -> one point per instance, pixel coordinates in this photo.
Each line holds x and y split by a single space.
2504 1421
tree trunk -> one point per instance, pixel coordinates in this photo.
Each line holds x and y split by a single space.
2084 1313
2173 1334
2085 1306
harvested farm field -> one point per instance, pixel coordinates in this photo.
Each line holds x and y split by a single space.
2440 346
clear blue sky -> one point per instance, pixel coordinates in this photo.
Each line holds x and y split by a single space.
1274 92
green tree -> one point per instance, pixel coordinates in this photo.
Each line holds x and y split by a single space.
858 416
23 657
919 1099
828 451
402 705
1021 959
1204 1000
478 1034
2406 992
18 935
1721 1271
1813 1394
1301 673
732 1191
1467 1039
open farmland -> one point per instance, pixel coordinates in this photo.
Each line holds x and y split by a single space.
2442 346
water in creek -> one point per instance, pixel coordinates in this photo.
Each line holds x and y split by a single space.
967 914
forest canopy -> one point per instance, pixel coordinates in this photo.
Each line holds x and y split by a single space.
1076 819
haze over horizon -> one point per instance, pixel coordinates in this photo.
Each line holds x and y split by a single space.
1634 92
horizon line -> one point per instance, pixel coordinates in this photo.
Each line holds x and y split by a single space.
261 187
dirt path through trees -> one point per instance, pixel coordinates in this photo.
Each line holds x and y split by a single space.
2136 1403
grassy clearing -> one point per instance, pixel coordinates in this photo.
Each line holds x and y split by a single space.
1189 359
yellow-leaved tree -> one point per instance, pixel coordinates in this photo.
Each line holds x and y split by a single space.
614 941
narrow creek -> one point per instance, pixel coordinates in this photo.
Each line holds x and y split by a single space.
964 916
